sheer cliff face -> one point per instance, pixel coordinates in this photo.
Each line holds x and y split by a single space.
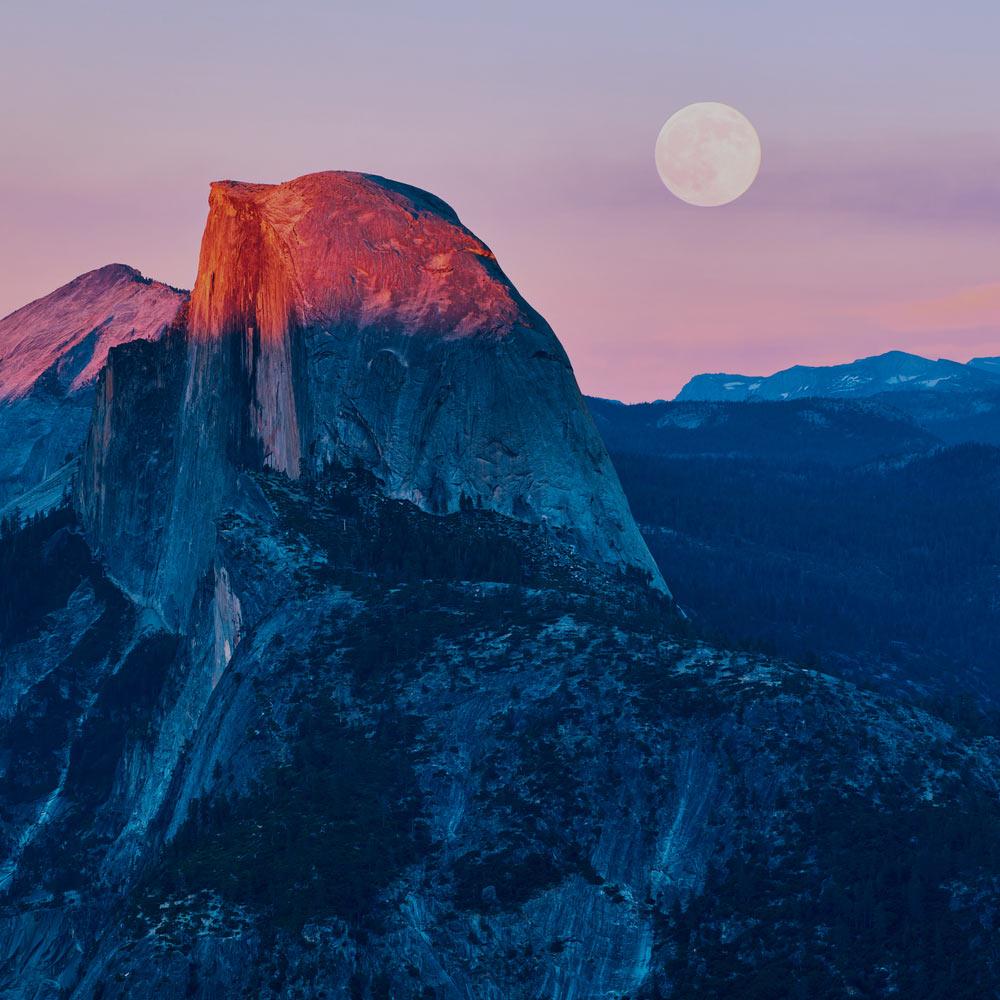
51 352
342 318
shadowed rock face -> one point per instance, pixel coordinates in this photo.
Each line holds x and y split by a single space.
408 755
342 318
51 352
351 780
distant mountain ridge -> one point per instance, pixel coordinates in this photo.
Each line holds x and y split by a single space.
67 334
987 364
51 352
894 371
839 432
859 532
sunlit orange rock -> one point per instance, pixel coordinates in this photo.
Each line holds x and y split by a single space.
345 319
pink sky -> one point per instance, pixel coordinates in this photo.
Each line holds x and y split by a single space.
874 223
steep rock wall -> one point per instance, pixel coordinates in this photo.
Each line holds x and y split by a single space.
342 318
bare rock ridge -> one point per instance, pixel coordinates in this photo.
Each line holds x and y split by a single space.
344 318
69 332
51 352
894 372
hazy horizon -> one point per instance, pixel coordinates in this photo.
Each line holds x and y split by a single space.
652 399
872 225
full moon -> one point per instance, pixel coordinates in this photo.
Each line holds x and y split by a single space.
708 154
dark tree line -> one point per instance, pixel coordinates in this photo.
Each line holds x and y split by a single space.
891 566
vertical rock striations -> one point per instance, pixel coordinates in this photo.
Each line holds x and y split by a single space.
344 318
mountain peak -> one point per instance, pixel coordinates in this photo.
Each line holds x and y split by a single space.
342 320
339 247
892 371
893 355
70 331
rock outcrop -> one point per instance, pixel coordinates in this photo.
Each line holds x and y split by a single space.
351 779
311 723
51 352
343 319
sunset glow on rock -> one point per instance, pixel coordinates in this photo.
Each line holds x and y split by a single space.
71 331
344 320
340 247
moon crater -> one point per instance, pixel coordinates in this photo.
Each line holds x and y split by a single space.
708 154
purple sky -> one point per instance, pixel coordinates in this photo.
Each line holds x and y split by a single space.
874 223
